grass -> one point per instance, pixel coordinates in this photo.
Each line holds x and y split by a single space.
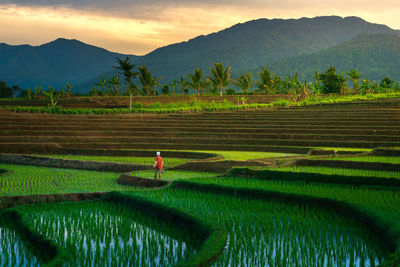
152 109
168 162
29 180
200 106
174 175
268 233
340 171
381 159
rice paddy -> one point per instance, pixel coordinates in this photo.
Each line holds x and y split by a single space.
29 180
261 231
393 160
340 171
104 234
382 202
168 162
173 175
13 250
279 234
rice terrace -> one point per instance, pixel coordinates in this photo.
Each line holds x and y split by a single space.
272 142
314 185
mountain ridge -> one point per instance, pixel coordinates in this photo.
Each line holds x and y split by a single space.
375 55
54 63
243 46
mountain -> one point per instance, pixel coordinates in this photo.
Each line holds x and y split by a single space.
53 63
376 55
255 43
285 46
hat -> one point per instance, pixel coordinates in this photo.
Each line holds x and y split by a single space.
158 153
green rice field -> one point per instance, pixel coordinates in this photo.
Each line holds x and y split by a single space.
28 180
267 211
279 234
248 155
13 250
168 162
105 234
173 175
340 171
393 160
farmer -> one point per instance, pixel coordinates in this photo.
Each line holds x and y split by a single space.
158 165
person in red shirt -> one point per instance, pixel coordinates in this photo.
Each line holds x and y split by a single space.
158 165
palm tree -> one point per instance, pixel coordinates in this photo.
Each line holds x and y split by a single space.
102 85
196 81
126 68
265 82
173 86
354 75
244 82
69 86
183 84
220 77
147 80
114 83
37 90
156 82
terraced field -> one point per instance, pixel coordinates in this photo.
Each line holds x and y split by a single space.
283 130
281 207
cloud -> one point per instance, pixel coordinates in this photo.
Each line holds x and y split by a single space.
170 10
139 26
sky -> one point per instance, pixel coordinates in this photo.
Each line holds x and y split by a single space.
140 26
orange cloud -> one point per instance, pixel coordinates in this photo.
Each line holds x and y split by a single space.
159 26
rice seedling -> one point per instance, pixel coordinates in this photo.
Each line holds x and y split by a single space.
248 155
340 171
29 180
267 233
173 175
383 159
13 251
106 234
383 203
168 162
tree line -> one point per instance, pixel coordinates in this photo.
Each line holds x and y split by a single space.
220 82
141 81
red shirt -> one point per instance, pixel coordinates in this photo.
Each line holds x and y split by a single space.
159 164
